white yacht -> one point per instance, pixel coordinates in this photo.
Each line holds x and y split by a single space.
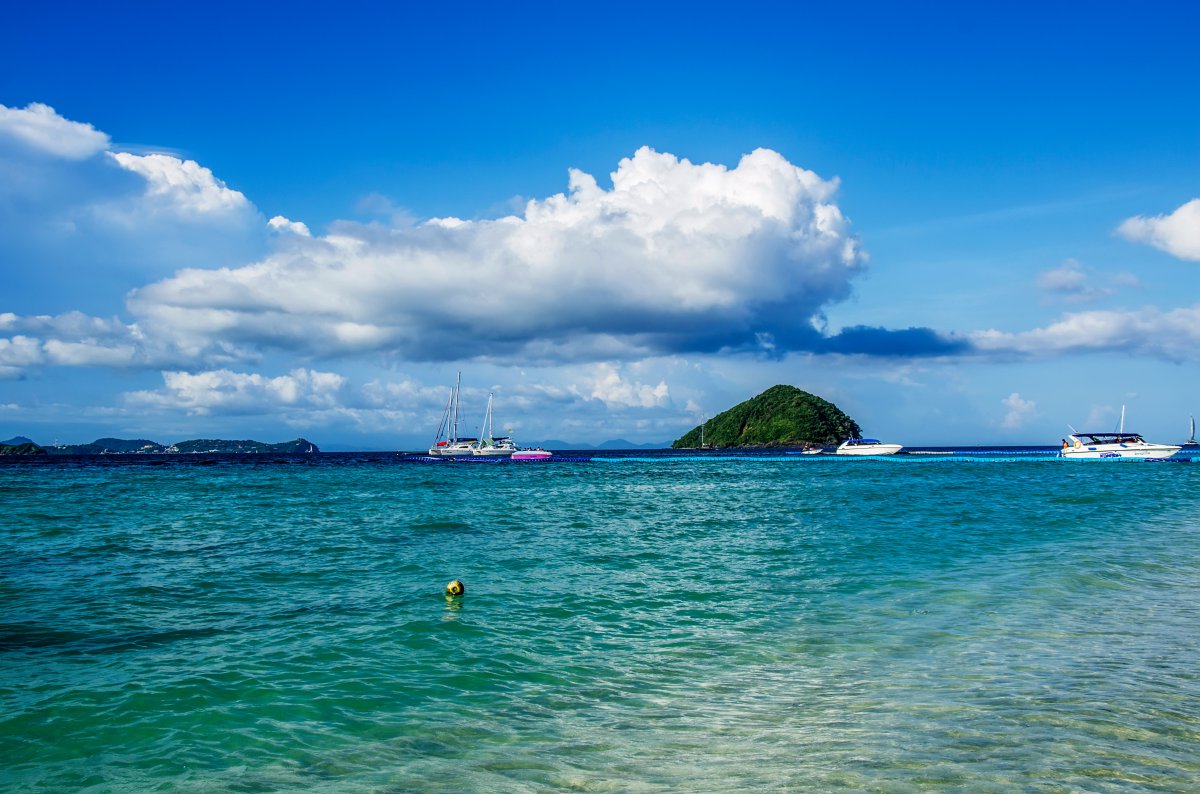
490 446
867 446
447 444
1113 445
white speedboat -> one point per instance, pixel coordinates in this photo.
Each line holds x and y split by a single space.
867 446
1113 445
1084 446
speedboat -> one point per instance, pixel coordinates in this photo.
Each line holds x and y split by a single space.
532 454
867 446
1084 446
1113 445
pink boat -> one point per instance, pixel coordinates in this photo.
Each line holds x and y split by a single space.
532 454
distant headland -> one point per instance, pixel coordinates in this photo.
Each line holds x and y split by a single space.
121 446
782 416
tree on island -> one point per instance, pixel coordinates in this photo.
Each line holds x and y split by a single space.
782 416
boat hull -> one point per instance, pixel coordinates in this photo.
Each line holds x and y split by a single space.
494 452
1109 451
453 450
532 454
870 450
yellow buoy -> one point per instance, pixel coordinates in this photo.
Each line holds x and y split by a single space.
455 588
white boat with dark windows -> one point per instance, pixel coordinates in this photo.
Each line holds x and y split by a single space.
489 445
867 446
1088 446
1113 445
447 444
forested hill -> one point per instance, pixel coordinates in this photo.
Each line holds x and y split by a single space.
782 416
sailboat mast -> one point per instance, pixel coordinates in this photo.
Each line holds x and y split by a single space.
457 387
1122 429
487 421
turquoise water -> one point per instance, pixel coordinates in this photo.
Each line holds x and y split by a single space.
629 625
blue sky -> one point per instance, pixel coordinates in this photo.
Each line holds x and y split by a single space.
962 226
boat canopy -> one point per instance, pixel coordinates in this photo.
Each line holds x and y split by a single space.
853 441
1107 438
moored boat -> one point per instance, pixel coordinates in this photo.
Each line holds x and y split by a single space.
447 444
490 446
867 446
1084 446
532 454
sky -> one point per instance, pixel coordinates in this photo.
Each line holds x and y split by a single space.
961 225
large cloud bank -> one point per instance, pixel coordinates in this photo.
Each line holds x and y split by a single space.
79 218
674 257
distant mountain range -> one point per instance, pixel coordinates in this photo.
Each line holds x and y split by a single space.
121 446
20 445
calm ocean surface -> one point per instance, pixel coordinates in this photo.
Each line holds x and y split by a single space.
630 624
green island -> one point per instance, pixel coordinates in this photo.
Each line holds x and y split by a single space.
141 446
782 416
24 448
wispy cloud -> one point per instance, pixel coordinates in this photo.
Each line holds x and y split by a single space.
1172 335
1071 282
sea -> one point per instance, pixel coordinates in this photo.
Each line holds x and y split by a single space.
979 620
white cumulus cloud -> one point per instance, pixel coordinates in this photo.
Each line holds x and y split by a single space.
226 392
675 256
609 387
1019 411
281 224
1178 233
183 186
38 127
83 221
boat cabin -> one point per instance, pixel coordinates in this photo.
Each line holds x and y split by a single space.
1093 439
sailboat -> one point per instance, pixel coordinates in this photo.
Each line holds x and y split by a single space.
490 446
447 444
1191 443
